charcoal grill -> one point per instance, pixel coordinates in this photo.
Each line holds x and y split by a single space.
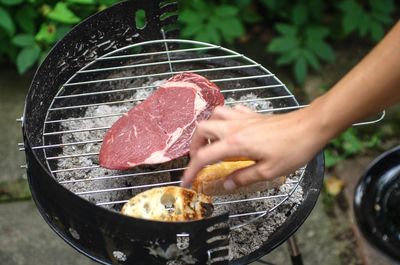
106 63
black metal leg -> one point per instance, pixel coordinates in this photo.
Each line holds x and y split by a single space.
294 251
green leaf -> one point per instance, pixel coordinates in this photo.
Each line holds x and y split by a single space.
321 49
82 2
364 25
27 57
331 159
352 15
287 57
25 18
316 32
6 22
189 31
377 31
373 142
200 5
226 11
351 144
209 34
383 6
300 69
283 44
299 14
286 29
23 40
230 28
383 18
311 59
47 33
107 2
191 18
61 32
61 13
11 2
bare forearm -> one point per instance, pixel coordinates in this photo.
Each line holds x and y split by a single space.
368 88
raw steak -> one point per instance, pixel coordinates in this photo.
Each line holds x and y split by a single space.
160 128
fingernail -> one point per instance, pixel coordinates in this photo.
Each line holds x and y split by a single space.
229 185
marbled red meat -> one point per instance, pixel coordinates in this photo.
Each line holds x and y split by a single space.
160 128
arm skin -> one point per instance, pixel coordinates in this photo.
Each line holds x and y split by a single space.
282 143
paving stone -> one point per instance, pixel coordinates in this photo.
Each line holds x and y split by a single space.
26 239
315 241
13 89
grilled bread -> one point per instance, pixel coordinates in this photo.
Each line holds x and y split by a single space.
210 179
169 204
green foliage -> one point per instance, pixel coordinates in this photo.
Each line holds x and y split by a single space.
300 33
347 145
209 22
29 28
370 18
301 46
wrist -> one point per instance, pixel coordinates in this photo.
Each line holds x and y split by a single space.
327 120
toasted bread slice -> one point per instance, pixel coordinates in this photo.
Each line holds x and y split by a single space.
169 204
210 180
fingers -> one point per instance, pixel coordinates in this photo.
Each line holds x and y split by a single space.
237 112
244 110
205 132
243 177
209 154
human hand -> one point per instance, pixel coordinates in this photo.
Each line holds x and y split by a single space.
279 144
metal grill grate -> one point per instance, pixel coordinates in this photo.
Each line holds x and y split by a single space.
114 82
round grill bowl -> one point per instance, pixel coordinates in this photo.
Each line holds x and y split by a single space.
103 235
377 203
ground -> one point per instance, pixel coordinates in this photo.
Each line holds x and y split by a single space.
328 236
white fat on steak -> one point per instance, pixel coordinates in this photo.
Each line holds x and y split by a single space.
199 106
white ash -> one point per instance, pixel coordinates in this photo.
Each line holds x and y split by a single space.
244 240
250 237
255 105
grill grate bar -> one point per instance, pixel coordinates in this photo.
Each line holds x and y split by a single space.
78 130
86 118
67 144
251 199
141 99
103 92
170 183
271 197
241 78
156 53
73 169
154 86
251 88
124 175
128 188
71 156
158 63
255 100
110 203
162 74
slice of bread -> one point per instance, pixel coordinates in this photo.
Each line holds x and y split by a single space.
210 180
169 204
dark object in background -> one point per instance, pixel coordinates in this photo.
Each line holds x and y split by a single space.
377 203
